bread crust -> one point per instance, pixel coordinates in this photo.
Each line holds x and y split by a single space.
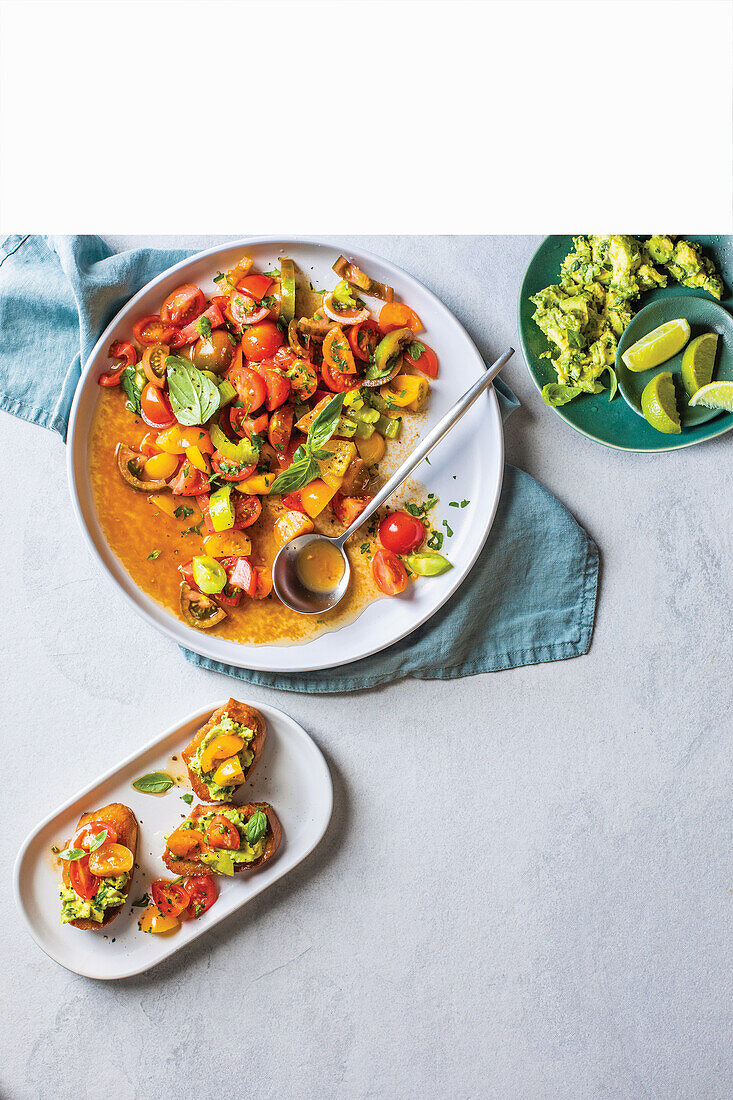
198 867
244 716
123 821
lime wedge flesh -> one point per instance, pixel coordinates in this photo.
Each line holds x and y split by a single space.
698 362
659 404
716 395
657 346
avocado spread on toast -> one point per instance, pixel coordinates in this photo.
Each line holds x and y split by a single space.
110 894
226 726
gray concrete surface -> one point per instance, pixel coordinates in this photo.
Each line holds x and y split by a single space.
524 891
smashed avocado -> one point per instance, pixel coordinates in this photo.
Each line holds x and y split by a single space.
585 313
246 756
224 860
110 894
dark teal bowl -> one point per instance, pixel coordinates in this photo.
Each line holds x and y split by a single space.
614 423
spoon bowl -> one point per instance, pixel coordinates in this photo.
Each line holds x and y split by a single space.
286 576
289 585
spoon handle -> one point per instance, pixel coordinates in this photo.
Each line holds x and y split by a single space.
426 445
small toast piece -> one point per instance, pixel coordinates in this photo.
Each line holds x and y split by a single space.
123 821
243 716
198 867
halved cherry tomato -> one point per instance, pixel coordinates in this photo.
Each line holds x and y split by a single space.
397 315
337 354
339 383
202 892
149 445
83 882
243 424
151 330
247 510
155 408
229 470
170 897
256 286
281 428
183 306
264 583
389 573
184 842
123 349
222 833
347 509
302 376
363 339
427 360
261 341
250 387
244 576
154 364
242 309
190 333
293 502
84 836
401 532
189 482
110 860
278 389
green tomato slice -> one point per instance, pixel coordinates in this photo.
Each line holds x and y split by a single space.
428 563
208 575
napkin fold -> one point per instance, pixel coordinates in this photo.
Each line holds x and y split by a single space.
529 598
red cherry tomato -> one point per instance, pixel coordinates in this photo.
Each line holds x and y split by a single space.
172 898
294 502
281 428
389 573
261 341
363 339
222 833
190 334
278 389
229 470
256 286
250 387
427 361
83 881
347 509
156 410
401 532
339 383
183 306
247 510
244 576
202 892
151 330
189 482
84 836
243 424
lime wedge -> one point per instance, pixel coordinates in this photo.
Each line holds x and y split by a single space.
659 404
657 346
698 362
716 395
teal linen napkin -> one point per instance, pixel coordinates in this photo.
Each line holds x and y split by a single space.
529 598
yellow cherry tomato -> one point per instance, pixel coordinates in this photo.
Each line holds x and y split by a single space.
153 920
159 467
110 859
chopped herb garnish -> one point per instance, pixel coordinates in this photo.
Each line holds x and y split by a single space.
364 548
154 555
435 541
182 512
195 530
454 504
465 503
142 902
203 327
188 798
448 529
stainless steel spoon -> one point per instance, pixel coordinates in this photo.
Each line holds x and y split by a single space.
286 579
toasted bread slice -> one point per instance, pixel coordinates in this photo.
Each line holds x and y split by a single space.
244 716
123 821
198 867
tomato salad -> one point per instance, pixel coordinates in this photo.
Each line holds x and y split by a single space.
244 398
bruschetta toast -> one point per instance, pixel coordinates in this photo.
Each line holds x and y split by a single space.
225 751
224 839
98 865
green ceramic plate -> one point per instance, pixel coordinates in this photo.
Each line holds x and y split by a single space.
615 423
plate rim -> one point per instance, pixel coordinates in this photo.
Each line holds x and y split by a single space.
246 656
195 716
581 431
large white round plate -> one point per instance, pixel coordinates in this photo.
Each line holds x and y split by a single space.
466 466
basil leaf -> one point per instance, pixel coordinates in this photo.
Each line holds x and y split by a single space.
153 783
326 422
256 827
142 902
296 476
128 380
556 393
415 349
98 840
72 854
194 398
